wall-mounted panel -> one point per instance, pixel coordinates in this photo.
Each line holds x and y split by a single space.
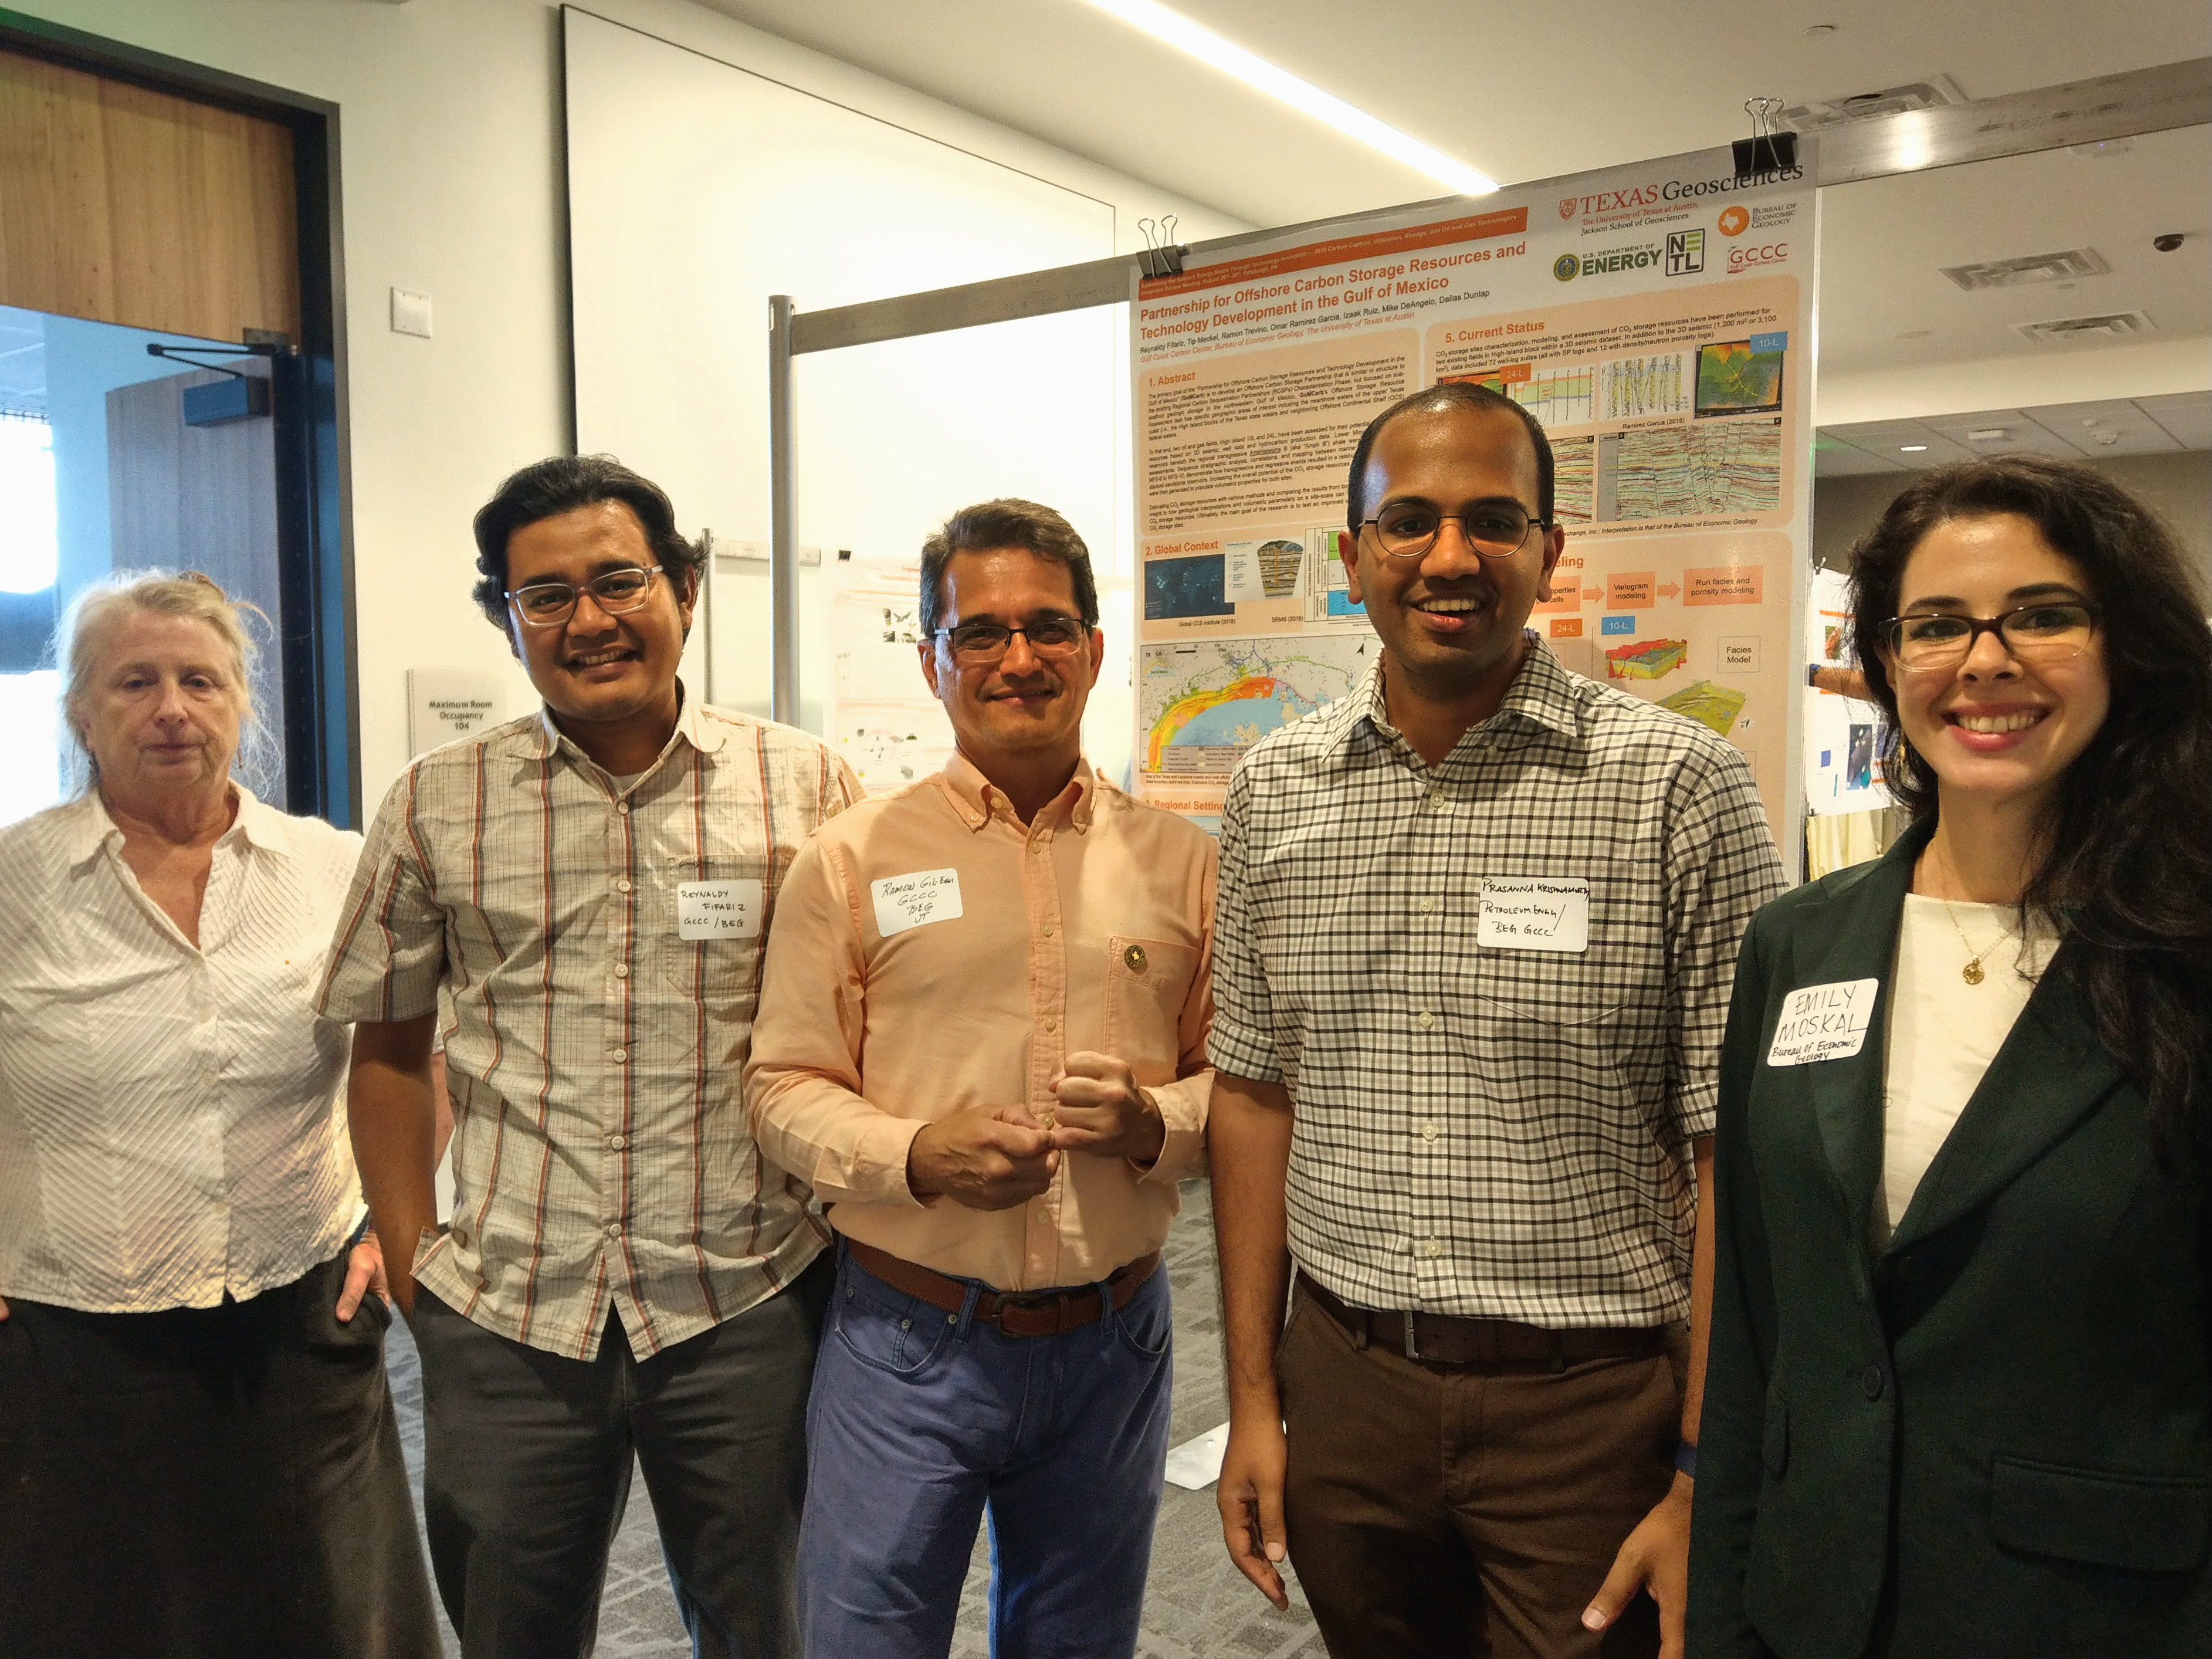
121 204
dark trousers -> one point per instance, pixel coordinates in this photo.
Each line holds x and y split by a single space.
203 1483
1467 1510
526 1467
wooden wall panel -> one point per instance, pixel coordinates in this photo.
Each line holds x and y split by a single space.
125 205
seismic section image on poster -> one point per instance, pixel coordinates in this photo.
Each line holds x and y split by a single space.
1657 320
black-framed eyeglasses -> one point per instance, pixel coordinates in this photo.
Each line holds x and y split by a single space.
544 604
2033 632
988 641
1496 530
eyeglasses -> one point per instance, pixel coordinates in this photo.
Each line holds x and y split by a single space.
1496 530
543 605
2032 633
983 642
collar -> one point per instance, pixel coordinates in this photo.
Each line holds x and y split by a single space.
977 799
545 738
92 829
1543 695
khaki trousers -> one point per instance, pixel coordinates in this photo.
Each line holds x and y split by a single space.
1437 1510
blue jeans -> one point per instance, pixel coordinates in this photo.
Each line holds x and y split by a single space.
920 1419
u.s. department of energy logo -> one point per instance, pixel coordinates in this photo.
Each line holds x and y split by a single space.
1686 251
1567 267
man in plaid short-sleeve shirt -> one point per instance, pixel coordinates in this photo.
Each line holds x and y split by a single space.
1477 923
592 886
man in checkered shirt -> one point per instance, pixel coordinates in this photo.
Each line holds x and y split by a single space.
1477 927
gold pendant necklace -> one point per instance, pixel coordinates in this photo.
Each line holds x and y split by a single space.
1971 973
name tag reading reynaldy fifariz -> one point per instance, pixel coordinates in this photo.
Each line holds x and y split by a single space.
718 909
904 902
1823 1022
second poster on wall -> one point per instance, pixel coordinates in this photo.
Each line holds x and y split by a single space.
1658 321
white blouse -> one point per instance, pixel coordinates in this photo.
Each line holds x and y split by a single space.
171 1118
1944 1032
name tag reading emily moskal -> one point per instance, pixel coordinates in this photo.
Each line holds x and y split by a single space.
1823 1022
718 909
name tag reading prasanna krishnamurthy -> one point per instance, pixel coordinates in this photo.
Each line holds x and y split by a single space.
1533 913
718 909
904 902
1823 1022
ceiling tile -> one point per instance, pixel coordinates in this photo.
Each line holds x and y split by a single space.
2186 417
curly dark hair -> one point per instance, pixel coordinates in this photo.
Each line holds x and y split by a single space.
2127 857
562 483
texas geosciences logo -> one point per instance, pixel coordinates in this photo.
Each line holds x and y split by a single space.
1568 266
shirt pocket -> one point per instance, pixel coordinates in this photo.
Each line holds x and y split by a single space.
1546 1028
1148 985
721 970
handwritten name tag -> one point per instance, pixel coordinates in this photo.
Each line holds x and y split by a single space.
718 909
904 902
1533 913
1823 1022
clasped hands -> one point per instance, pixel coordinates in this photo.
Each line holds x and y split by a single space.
994 1157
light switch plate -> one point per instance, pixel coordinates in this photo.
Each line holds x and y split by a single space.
411 312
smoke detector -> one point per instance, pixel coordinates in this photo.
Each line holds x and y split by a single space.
2069 331
2029 269
1817 113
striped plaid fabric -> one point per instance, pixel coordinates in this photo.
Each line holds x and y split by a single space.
601 1152
1483 1131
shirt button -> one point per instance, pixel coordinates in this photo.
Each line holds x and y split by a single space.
621 1054
621 970
1433 803
622 807
1050 1023
1430 1131
619 1141
1426 1019
621 887
1870 1381
1427 905
1036 847
1429 1249
206 1075
1047 930
614 1229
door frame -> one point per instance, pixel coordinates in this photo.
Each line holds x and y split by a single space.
316 632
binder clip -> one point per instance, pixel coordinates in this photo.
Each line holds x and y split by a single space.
1769 150
1163 254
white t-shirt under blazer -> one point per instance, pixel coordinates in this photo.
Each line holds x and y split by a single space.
1944 1032
172 1117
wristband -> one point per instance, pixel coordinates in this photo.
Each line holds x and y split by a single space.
1686 1458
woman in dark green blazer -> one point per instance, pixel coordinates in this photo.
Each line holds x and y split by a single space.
1958 1402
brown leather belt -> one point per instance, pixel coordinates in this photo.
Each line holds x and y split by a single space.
1010 1313
1447 1339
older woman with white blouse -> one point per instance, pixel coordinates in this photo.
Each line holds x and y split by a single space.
197 1448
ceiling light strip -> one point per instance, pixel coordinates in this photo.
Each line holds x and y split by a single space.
1210 48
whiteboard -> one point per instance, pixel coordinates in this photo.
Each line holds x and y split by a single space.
698 189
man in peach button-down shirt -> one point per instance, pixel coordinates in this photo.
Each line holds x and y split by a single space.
981 1037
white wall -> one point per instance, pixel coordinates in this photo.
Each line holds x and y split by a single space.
451 131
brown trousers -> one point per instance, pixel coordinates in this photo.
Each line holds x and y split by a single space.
1472 1510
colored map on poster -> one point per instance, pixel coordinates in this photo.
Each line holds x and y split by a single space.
1202 705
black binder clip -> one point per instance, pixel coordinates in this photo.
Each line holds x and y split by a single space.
1163 254
1768 149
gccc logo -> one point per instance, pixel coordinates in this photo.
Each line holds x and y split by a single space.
1567 267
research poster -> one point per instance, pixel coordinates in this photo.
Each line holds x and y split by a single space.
1658 320
881 717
